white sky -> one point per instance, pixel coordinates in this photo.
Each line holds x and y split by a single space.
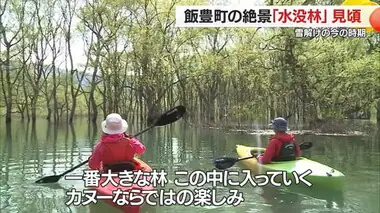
78 46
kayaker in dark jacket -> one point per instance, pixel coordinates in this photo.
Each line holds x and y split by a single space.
114 146
282 146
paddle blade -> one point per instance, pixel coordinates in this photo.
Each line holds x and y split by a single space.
49 179
225 162
171 116
306 145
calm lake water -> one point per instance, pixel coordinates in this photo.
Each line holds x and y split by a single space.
29 152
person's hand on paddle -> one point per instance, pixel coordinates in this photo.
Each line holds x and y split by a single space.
128 136
259 157
256 154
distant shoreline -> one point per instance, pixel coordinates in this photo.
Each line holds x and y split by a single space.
332 128
295 132
302 132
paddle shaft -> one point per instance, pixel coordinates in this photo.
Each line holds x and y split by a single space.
245 158
86 161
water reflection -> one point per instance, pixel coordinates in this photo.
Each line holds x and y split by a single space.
281 201
31 150
297 199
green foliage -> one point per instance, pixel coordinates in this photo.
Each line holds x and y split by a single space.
143 61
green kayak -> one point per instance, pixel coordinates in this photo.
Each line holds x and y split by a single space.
319 175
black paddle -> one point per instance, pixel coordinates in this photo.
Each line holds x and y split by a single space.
227 162
168 117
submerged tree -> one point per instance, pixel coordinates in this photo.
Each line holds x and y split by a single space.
138 63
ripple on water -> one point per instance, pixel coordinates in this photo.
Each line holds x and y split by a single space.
34 198
20 194
12 164
60 151
18 171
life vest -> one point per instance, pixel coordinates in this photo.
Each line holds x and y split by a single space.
287 152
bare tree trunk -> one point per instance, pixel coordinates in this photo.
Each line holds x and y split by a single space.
6 82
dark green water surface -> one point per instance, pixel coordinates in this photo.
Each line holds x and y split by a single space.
31 151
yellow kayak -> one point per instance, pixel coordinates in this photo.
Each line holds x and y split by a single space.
320 176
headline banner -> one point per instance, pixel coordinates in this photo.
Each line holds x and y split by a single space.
275 16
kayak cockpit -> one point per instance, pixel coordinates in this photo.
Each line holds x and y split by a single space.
257 151
121 166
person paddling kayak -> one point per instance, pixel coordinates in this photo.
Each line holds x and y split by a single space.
282 146
114 148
